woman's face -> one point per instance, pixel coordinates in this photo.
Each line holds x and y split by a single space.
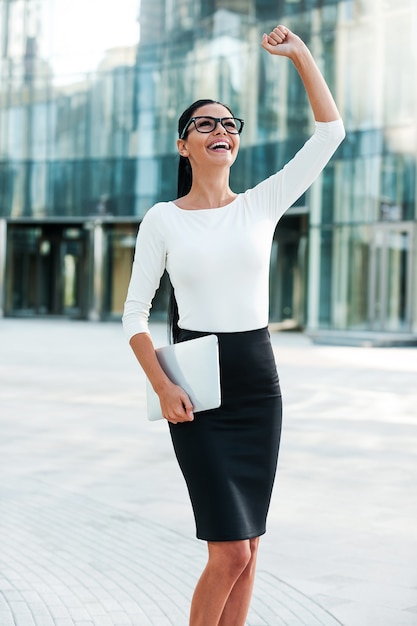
217 147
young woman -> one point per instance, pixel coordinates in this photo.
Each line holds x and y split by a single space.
215 245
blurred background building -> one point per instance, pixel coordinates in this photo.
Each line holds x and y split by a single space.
90 93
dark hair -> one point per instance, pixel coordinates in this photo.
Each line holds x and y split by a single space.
185 180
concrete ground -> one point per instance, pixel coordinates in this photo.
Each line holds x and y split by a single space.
95 524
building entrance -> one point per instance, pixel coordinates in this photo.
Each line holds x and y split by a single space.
289 271
46 270
391 266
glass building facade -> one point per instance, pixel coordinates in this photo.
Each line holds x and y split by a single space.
88 112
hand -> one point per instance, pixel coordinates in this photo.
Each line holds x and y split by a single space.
175 404
281 41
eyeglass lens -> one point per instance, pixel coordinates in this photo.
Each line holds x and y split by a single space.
208 124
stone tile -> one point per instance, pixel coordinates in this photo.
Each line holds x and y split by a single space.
6 618
364 614
92 500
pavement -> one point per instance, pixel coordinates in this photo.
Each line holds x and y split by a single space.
95 524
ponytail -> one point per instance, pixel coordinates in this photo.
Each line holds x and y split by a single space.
173 317
183 187
185 177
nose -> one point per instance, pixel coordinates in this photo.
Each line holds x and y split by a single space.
219 128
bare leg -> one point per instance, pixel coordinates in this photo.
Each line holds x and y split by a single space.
226 563
237 605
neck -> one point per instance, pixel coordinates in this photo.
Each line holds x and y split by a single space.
210 192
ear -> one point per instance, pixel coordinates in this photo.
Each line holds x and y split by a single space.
182 147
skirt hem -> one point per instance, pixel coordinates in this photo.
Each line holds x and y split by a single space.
234 538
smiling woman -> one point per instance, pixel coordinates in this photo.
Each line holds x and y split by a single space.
221 129
215 245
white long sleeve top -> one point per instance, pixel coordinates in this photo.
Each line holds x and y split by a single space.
218 258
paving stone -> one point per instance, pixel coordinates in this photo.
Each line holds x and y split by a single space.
137 575
25 619
94 516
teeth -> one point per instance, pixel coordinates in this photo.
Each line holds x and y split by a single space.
219 145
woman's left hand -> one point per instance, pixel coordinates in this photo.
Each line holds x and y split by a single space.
281 41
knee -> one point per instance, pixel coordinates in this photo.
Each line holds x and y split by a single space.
251 565
240 555
233 557
253 546
237 558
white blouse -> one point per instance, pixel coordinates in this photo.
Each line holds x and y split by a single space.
218 259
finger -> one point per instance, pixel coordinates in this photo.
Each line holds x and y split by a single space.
179 420
281 30
277 37
175 418
265 43
182 414
271 48
187 406
189 410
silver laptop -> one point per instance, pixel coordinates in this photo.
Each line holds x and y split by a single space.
194 366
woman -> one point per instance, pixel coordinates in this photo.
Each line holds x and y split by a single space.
215 245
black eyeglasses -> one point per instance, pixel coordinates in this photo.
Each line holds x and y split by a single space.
207 123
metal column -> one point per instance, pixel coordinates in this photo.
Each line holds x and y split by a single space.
96 306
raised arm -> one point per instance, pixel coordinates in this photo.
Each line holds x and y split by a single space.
282 42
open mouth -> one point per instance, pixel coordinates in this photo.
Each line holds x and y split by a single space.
220 145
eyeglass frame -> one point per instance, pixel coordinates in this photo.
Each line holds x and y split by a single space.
215 119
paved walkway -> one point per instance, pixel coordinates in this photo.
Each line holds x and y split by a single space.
95 523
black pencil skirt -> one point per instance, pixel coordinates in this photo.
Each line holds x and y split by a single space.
228 456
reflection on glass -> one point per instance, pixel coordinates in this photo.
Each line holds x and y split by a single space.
391 278
397 280
46 271
358 272
89 99
120 250
70 284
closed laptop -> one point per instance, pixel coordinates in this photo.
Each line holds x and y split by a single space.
194 366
